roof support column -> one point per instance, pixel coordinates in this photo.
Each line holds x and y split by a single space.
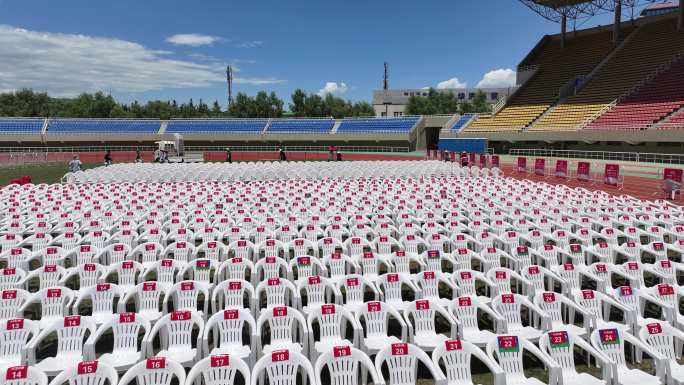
616 23
680 25
564 29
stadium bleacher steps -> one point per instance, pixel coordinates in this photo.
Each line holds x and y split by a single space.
590 75
162 127
336 126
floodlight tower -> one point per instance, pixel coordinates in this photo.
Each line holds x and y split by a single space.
229 80
385 83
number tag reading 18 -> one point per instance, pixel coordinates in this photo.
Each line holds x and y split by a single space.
280 356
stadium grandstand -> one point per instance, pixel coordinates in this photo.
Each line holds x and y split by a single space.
503 248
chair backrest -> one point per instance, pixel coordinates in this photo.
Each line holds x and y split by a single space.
661 337
23 375
282 322
71 332
228 325
279 292
331 320
177 328
185 295
11 301
87 373
281 367
344 363
507 350
154 371
455 356
10 277
402 361
53 301
610 342
231 294
126 329
15 335
218 370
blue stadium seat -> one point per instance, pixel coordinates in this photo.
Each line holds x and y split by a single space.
104 126
305 126
252 126
21 126
378 125
461 122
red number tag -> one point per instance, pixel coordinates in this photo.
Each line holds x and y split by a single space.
464 301
609 336
575 248
533 270
9 271
632 266
625 291
588 294
508 344
180 315
501 275
549 297
102 287
72 320
453 345
156 363
654 328
352 282
126 318
558 339
507 298
392 277
220 360
280 356
16 373
273 282
54 293
665 289
665 264
328 309
341 351
400 349
422 305
304 261
374 307
86 367
280 311
466 275
187 285
15 324
568 267
127 265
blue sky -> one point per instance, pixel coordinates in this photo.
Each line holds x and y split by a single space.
154 49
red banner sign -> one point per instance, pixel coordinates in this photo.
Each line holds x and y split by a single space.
562 168
611 175
522 164
583 170
483 160
495 161
539 166
672 174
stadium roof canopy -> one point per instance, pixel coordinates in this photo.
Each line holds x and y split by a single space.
555 10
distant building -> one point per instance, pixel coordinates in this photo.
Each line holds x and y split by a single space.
393 103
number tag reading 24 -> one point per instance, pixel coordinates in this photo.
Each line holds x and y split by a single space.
609 336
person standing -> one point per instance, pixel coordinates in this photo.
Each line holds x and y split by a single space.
229 155
75 164
108 158
283 156
331 153
138 157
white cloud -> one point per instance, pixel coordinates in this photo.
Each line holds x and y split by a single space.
251 44
67 64
333 88
452 83
498 78
192 39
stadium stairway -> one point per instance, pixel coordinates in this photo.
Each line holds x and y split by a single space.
336 126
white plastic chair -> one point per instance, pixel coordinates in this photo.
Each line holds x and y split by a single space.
165 272
402 362
103 298
54 305
128 274
15 335
421 318
148 300
287 327
467 310
10 277
317 291
391 287
175 331
611 342
667 341
560 345
375 315
281 367
87 372
332 321
344 364
185 295
353 288
278 292
126 328
231 294
154 371
556 305
218 370
227 330
71 337
507 351
510 307
456 355
23 375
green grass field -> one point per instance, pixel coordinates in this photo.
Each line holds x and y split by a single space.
39 173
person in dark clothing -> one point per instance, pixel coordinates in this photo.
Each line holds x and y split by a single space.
331 153
229 155
339 156
138 157
283 156
108 158
464 159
